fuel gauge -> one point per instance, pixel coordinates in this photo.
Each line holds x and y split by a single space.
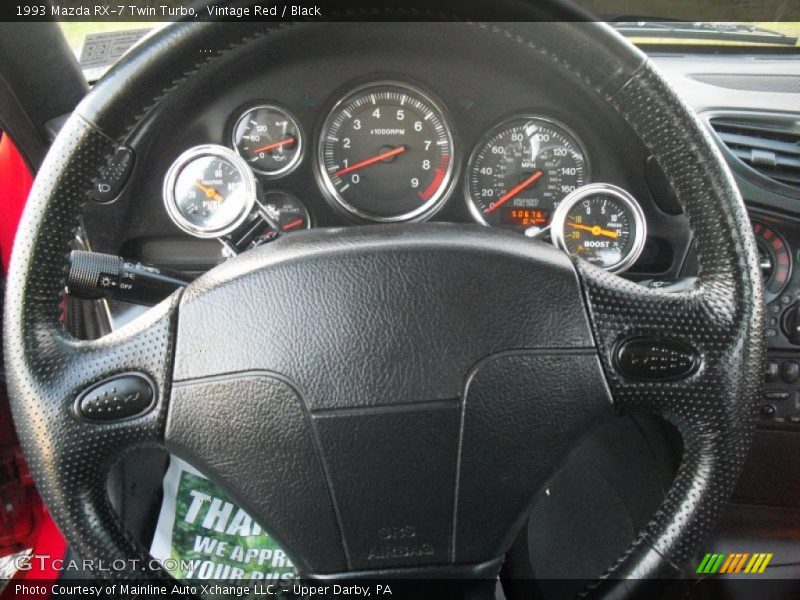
209 191
281 213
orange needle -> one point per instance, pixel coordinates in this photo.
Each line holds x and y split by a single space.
596 230
268 147
514 191
293 224
370 161
210 192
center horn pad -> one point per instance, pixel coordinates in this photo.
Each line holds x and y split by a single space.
385 397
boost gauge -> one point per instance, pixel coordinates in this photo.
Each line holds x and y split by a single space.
602 224
209 191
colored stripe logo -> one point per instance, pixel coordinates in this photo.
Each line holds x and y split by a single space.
738 562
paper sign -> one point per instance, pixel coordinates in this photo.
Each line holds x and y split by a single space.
208 537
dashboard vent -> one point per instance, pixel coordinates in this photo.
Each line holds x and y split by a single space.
768 144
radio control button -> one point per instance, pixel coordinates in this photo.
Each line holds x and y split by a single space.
790 371
772 372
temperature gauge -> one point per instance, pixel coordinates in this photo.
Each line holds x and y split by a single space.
287 211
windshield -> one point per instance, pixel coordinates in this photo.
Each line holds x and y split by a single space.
98 45
729 34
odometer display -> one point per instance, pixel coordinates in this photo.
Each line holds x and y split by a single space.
386 154
521 169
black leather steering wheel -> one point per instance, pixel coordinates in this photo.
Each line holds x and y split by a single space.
392 394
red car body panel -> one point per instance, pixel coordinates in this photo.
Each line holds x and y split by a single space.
27 524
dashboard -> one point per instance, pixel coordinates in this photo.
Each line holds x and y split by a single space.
759 94
399 124
750 105
385 154
281 126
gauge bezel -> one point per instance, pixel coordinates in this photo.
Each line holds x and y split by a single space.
280 192
429 208
298 157
170 202
559 219
471 204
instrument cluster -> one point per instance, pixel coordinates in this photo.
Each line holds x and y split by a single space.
387 152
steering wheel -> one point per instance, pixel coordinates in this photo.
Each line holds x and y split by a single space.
365 396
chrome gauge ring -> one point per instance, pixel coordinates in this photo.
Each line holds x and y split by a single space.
601 223
209 191
385 154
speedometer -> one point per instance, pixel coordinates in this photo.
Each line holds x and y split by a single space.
386 154
521 170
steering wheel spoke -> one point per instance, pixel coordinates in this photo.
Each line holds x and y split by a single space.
84 404
657 346
682 356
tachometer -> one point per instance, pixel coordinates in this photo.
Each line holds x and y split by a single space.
386 154
520 170
601 223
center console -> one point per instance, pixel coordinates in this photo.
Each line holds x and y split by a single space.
778 241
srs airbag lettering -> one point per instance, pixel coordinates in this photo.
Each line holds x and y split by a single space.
399 542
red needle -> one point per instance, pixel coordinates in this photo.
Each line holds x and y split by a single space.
514 191
268 147
370 161
293 224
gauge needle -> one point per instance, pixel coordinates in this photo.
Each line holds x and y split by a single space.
293 224
210 192
514 191
287 142
371 161
595 230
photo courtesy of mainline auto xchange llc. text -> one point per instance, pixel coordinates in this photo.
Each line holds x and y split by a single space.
207 590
